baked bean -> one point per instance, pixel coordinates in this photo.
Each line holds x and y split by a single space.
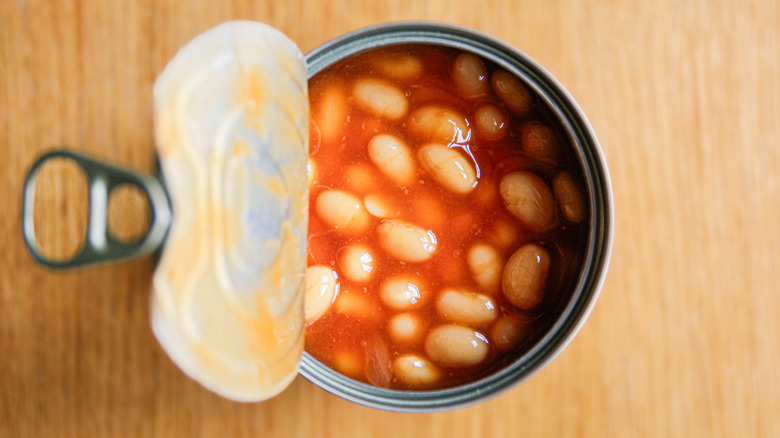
406 241
486 194
343 211
380 98
459 258
508 330
525 275
357 305
470 76
415 371
348 363
320 288
464 307
456 345
403 292
406 328
503 234
451 269
529 199
380 207
491 123
512 92
570 198
485 264
448 167
463 223
357 263
438 123
393 158
429 212
330 115
540 142
360 178
401 67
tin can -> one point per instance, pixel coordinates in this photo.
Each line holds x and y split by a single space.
600 235
99 247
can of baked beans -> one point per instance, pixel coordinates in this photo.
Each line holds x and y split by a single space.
586 151
485 269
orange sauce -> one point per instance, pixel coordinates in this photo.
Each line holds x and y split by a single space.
356 344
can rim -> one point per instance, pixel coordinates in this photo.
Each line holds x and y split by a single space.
600 237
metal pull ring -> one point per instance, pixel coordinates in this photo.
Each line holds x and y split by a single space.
100 246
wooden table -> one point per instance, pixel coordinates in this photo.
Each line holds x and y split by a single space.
683 341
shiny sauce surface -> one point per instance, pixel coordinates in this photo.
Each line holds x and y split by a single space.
427 342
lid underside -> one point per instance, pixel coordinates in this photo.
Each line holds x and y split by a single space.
231 131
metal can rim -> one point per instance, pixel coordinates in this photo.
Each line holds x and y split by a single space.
600 239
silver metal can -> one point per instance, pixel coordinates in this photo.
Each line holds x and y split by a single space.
103 177
599 196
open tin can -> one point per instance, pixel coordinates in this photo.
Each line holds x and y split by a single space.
100 247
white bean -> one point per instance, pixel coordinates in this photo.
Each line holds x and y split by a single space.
508 330
330 115
357 263
380 98
320 288
360 178
503 234
512 92
348 363
401 66
393 158
529 199
403 292
570 198
415 371
464 307
491 122
540 142
486 194
405 328
485 264
438 123
448 167
525 275
357 305
380 207
429 211
470 76
343 211
463 223
406 241
455 345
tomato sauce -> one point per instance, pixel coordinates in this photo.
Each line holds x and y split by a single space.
353 335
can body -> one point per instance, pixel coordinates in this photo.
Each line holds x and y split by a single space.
599 240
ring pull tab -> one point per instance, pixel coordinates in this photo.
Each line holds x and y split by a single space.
99 246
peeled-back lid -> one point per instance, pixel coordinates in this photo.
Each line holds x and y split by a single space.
231 131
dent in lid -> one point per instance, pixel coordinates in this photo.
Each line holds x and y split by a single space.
231 131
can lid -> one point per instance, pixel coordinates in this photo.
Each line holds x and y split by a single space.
231 131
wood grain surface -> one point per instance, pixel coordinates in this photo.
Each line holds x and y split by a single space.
683 341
